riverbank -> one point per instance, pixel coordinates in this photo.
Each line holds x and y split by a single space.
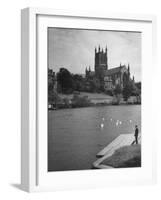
120 153
85 99
128 156
93 97
92 105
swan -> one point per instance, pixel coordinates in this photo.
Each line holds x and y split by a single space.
102 125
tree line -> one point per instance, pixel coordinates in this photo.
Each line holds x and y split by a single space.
67 83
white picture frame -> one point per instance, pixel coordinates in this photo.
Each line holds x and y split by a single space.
32 177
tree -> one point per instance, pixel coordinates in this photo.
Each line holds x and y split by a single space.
79 101
127 90
117 90
65 80
117 94
78 83
138 85
92 85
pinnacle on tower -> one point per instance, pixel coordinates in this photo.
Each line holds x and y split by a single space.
89 68
99 48
133 79
128 67
106 49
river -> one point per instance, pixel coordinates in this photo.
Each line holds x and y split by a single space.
75 136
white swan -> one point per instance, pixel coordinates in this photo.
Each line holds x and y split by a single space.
117 122
102 125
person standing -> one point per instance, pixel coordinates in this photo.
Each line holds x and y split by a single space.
136 134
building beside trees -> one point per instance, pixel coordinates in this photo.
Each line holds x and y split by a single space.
107 79
115 81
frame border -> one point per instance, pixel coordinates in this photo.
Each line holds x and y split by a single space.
29 145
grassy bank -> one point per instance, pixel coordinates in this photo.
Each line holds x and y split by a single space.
128 156
94 97
84 99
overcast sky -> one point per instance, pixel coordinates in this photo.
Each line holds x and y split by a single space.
74 49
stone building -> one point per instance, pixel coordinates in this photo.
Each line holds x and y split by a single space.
117 76
108 78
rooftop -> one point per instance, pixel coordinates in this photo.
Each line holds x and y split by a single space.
114 70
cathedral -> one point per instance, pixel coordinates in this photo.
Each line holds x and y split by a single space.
108 78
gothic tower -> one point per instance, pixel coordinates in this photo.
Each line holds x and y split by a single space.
101 62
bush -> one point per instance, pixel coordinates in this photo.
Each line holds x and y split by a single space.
109 92
66 103
116 99
128 90
78 101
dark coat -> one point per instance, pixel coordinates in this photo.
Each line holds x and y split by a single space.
136 132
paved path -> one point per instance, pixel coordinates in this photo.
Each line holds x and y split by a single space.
120 141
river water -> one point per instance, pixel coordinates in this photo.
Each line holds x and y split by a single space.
75 136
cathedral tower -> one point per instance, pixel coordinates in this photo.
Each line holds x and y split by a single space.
101 62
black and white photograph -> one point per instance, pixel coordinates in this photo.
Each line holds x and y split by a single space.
94 99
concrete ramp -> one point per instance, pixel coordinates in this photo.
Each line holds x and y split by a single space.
120 141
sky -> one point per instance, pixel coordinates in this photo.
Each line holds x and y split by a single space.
74 49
